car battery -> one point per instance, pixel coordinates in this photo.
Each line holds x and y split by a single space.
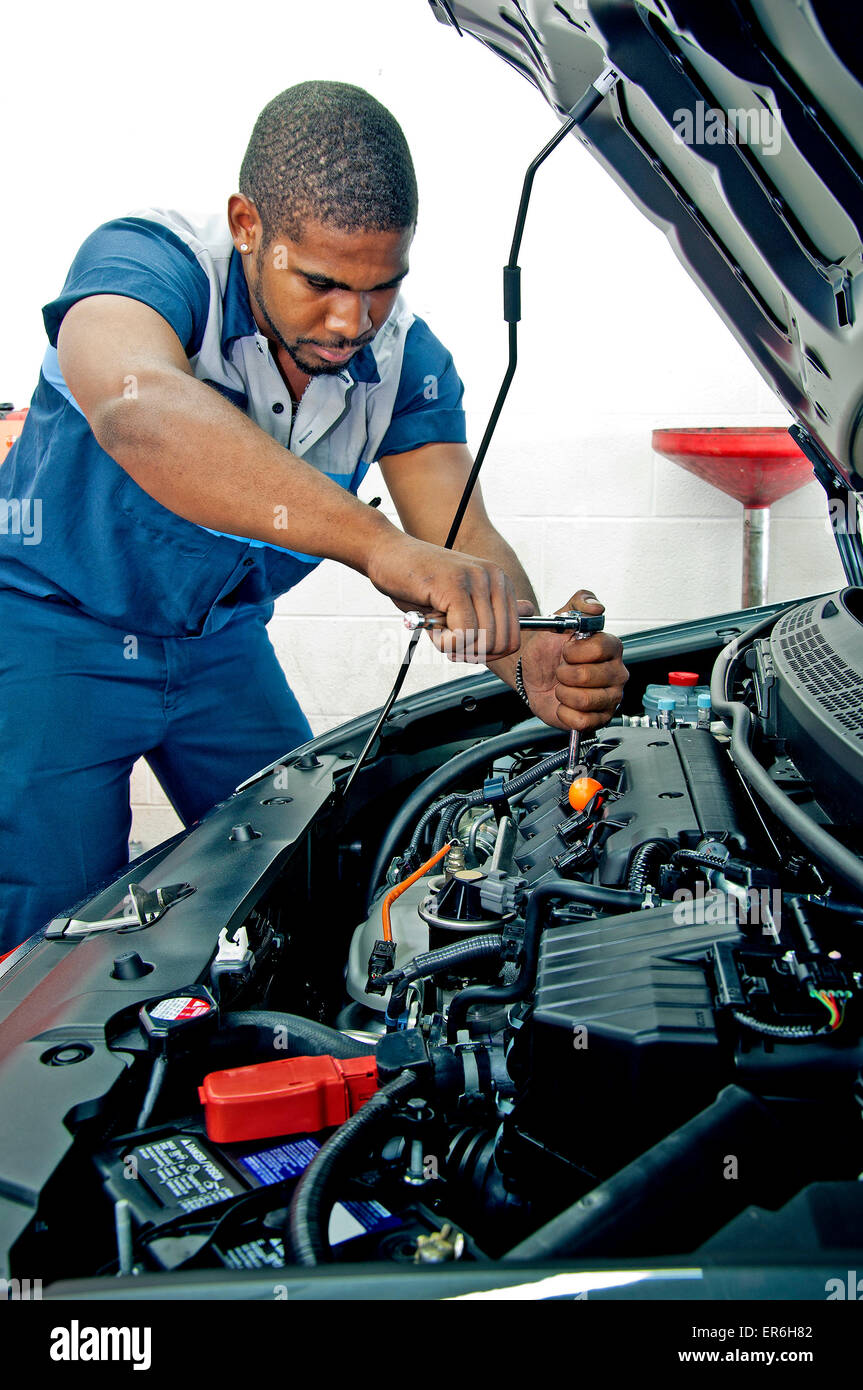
181 1188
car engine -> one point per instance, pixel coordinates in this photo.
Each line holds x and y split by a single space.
614 1016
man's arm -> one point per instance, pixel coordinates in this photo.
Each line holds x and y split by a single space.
202 458
571 683
426 485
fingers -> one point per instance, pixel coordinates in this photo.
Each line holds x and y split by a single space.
589 681
487 613
511 610
481 613
498 601
583 651
587 709
586 701
584 601
470 617
475 595
588 660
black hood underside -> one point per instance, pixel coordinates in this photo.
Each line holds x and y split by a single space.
737 127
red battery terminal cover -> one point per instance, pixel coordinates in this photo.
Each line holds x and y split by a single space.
296 1095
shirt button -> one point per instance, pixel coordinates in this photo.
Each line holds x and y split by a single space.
277 407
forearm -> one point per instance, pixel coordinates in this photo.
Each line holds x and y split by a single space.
251 485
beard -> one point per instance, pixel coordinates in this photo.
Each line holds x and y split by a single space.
294 350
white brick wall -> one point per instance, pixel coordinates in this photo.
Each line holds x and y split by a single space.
615 340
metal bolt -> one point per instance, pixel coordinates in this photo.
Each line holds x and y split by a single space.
440 1246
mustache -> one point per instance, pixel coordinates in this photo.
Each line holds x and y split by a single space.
340 346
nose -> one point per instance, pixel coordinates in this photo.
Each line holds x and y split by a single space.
348 315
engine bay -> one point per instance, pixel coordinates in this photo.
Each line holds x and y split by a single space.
490 1014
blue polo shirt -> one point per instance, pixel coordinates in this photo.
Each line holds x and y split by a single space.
78 528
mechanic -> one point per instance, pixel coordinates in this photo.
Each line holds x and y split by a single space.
212 396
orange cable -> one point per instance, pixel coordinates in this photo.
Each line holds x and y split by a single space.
400 888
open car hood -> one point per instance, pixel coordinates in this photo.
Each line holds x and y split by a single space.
737 128
530 1068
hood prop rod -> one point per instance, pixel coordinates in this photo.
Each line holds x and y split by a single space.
595 93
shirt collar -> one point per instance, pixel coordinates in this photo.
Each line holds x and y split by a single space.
363 365
237 318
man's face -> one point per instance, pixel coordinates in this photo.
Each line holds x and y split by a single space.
325 296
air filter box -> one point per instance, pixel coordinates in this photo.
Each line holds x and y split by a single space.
623 1044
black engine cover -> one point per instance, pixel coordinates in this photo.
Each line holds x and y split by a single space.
676 786
623 1044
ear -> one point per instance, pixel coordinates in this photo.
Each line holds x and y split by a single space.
244 221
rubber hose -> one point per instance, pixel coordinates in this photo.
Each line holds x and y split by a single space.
309 1213
475 829
433 962
525 779
775 1030
843 861
433 810
642 862
694 856
832 905
459 953
157 1077
304 1037
450 818
592 893
680 1178
514 787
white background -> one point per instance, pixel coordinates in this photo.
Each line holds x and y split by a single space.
111 106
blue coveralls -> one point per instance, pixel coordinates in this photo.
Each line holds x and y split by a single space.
127 631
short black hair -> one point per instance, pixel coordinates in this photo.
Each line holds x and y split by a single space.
329 152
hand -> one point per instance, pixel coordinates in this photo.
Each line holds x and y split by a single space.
475 596
573 682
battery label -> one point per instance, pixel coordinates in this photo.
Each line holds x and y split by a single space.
280 1163
180 1007
350 1219
267 1253
183 1175
347 1221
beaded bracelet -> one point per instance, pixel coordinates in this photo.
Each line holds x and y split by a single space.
519 683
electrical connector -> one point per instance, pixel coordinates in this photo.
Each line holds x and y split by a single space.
234 948
381 962
500 893
493 788
234 959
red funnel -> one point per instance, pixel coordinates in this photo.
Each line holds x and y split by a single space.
757 466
